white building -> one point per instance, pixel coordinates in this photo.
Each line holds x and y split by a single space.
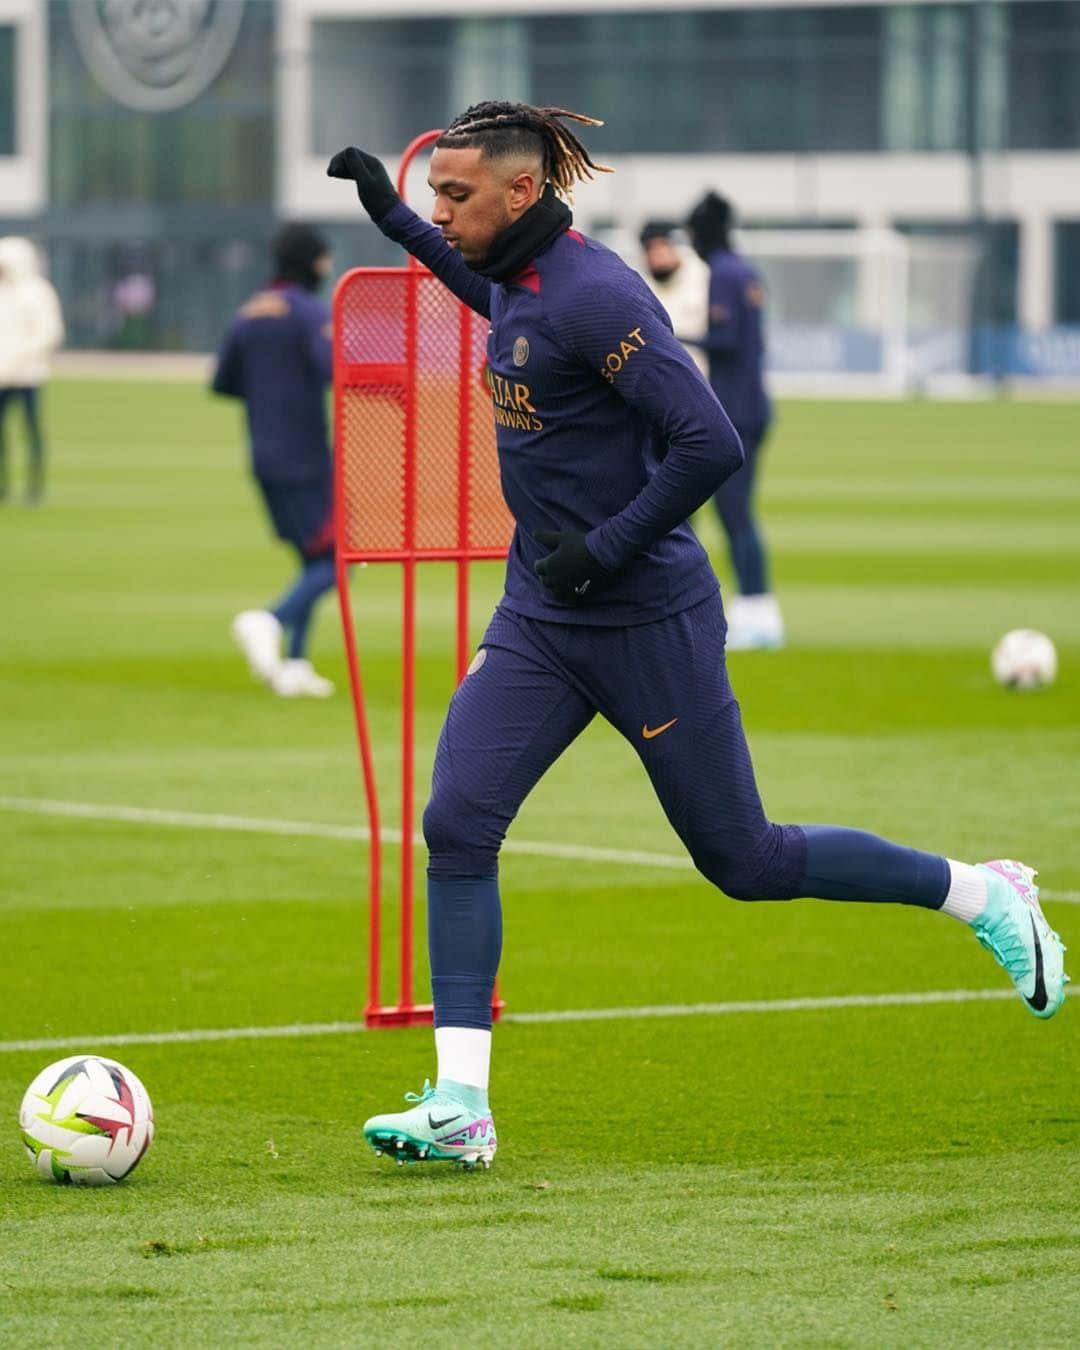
936 119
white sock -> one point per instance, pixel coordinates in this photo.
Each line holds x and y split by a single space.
464 1055
966 899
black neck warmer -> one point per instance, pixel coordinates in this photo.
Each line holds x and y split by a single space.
529 235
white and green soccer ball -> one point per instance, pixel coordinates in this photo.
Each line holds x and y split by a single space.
86 1120
1024 659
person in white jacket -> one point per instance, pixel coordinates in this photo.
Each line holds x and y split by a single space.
31 329
680 281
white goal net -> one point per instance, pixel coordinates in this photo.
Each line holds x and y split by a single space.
872 310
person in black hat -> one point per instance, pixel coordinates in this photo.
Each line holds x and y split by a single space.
735 347
276 356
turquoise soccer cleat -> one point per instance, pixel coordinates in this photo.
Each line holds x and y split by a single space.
1013 928
437 1128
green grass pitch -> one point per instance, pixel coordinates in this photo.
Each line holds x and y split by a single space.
901 1174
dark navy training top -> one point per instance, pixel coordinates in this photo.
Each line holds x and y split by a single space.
603 424
276 356
735 340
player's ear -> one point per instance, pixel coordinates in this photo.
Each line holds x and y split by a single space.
524 189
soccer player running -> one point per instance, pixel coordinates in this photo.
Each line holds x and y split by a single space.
734 343
277 358
608 439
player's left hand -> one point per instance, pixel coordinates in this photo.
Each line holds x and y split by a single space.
570 573
377 194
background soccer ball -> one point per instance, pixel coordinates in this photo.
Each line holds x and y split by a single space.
1024 659
86 1120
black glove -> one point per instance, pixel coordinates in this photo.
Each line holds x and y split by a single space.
373 185
570 573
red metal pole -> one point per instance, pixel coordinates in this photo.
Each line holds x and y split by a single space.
411 151
408 649
363 734
408 755
371 789
465 323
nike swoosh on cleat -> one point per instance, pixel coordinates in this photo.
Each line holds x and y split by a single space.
438 1124
1038 997
649 732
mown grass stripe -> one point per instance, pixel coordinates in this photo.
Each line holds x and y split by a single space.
197 820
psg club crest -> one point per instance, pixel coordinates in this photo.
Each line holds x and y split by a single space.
155 55
521 351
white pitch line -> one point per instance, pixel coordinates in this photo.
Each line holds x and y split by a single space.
526 1018
765 1006
196 820
184 1037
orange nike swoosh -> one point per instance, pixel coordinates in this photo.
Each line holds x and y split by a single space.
649 732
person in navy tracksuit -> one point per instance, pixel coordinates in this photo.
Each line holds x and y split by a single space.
276 356
608 439
734 343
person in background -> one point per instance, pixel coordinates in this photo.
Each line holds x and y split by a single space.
276 356
680 281
735 347
31 329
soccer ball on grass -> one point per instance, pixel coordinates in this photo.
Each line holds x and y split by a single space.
86 1120
1024 659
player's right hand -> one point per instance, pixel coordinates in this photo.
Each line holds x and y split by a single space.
373 186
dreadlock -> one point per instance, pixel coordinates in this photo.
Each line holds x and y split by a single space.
501 129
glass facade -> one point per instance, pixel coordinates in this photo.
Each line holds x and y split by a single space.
919 77
159 222
217 150
1044 75
8 128
924 90
672 82
378 82
1067 272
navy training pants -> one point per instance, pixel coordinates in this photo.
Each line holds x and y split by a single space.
29 397
734 502
664 686
532 689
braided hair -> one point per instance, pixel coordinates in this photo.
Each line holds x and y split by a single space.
502 129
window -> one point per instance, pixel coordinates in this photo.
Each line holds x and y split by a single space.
379 82
7 89
708 82
1067 272
925 85
1043 60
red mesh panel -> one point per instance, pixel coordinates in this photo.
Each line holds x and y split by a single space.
409 415
438 347
372 506
490 523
